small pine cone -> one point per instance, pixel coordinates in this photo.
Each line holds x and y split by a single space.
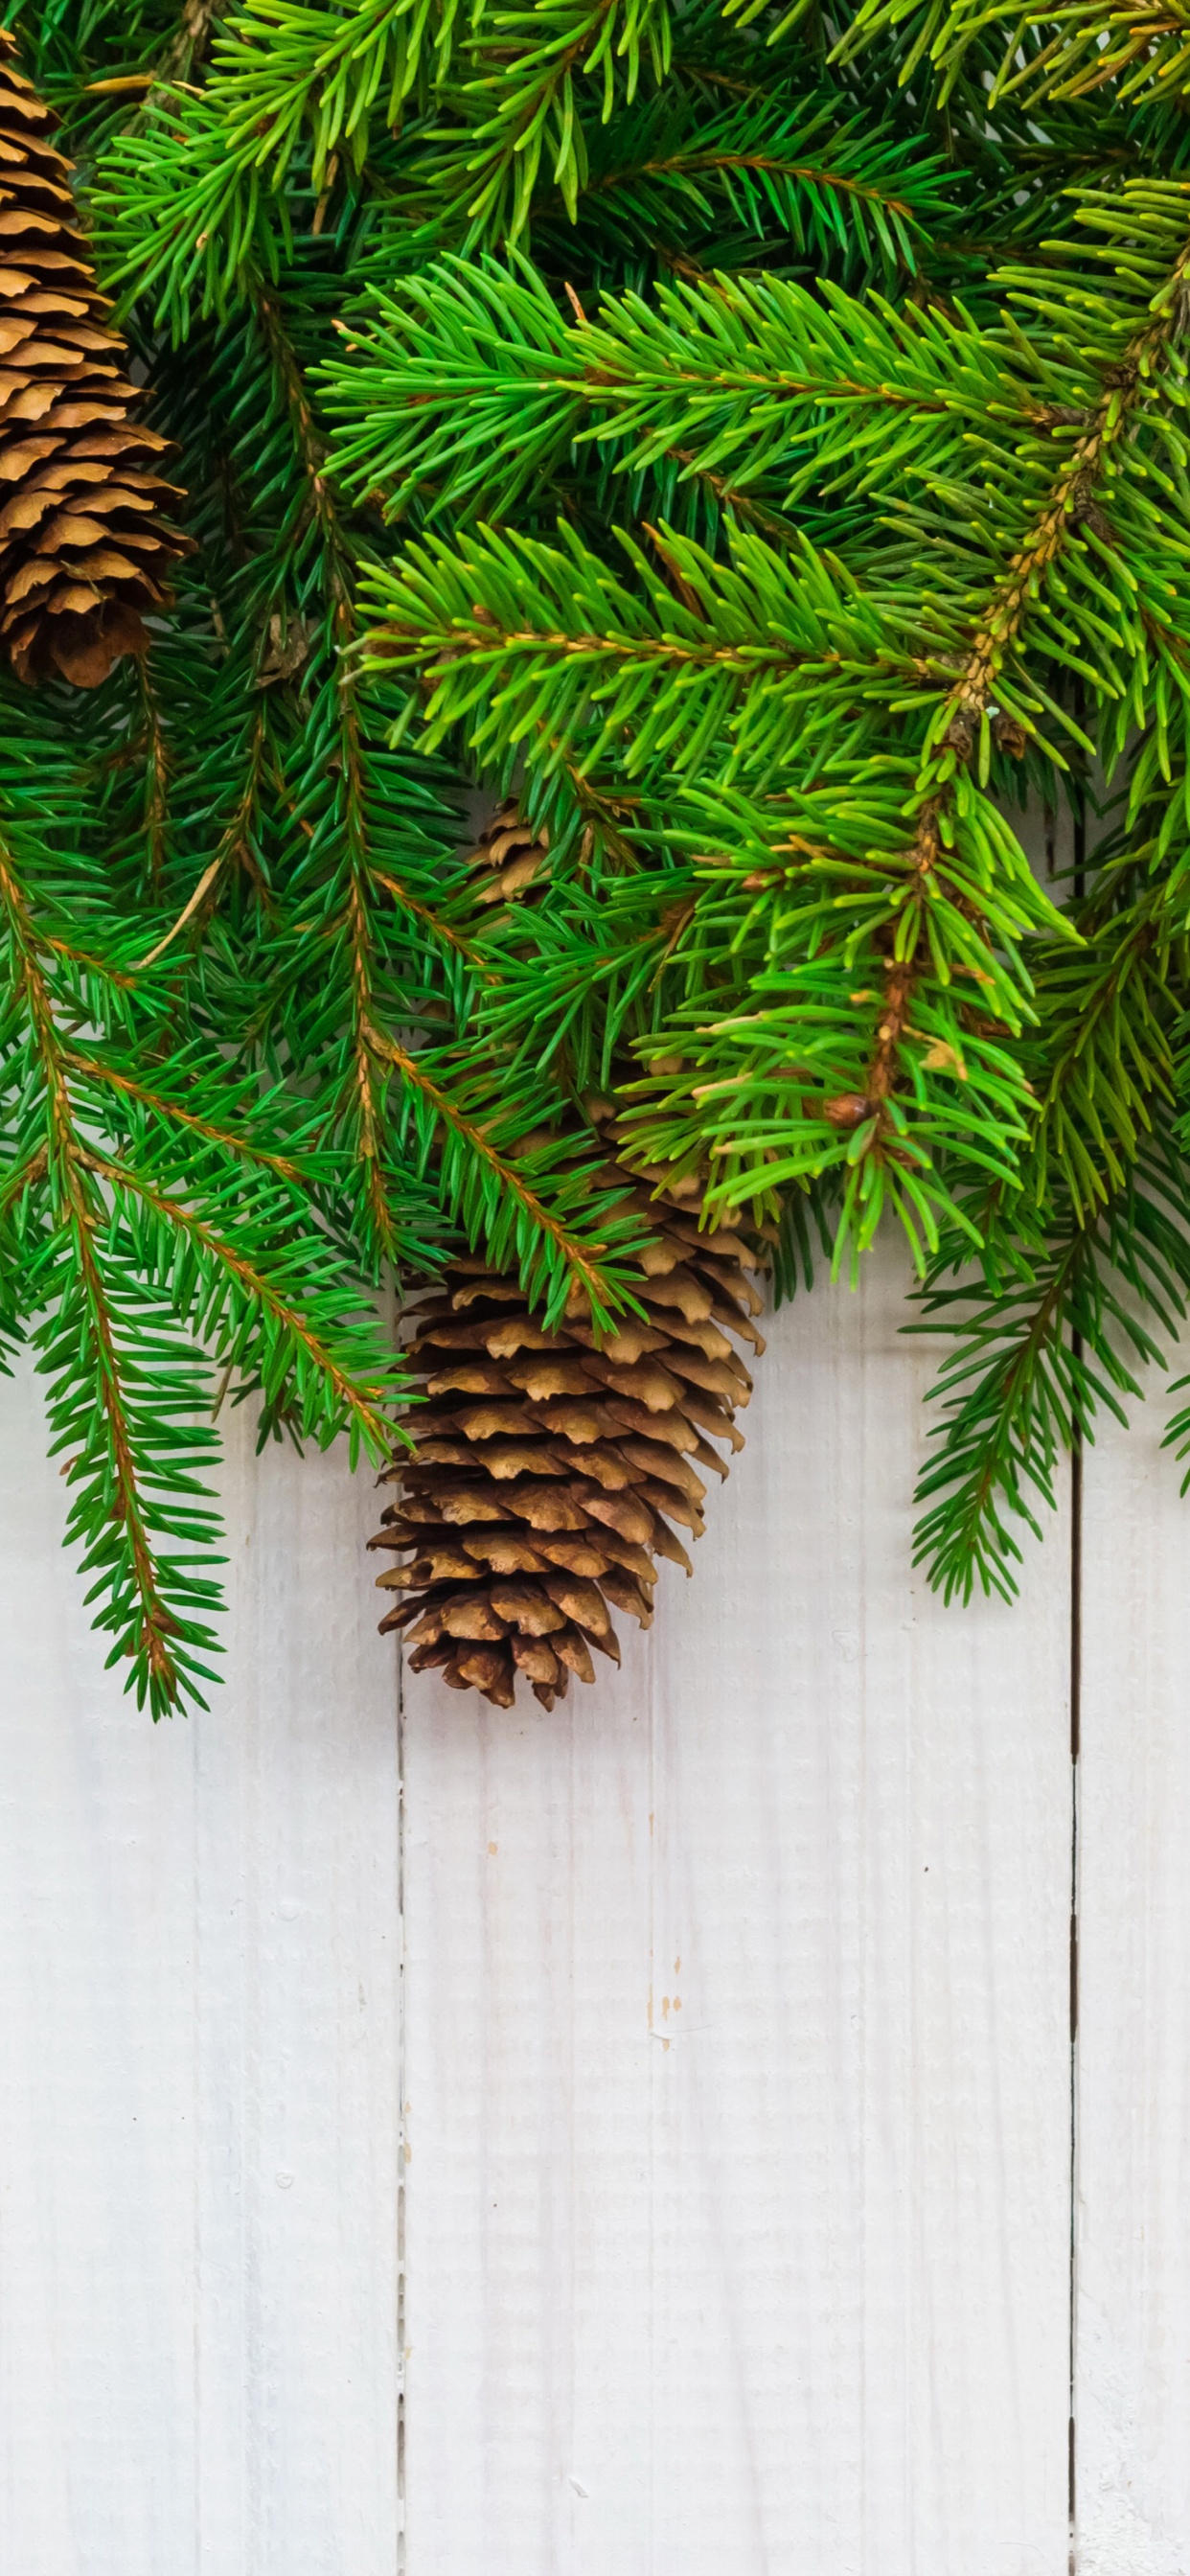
508 857
83 547
1011 736
547 1469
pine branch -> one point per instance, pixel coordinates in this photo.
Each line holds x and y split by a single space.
521 102
282 70
93 1393
817 493
514 639
1073 55
1057 1336
363 1116
128 1388
570 1246
183 225
961 724
472 387
1105 1191
831 189
274 1337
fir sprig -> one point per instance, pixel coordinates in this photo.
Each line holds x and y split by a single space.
755 439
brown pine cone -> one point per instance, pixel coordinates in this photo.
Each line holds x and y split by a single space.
508 857
547 1470
83 546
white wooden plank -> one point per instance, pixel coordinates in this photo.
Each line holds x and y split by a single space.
737 2060
1133 2240
199 1956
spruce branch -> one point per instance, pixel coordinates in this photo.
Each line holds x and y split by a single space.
1060 1332
266 1331
1078 53
960 727
835 188
363 1115
570 1246
285 74
94 1392
521 103
473 385
1098 1228
770 468
1130 376
128 1399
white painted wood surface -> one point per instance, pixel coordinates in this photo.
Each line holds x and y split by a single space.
756 2263
199 1991
1133 2203
737 2049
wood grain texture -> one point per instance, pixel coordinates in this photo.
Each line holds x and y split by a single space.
737 2061
199 1987
1133 2237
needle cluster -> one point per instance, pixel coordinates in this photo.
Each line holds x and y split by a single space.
743 450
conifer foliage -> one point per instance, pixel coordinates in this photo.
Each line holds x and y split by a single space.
738 451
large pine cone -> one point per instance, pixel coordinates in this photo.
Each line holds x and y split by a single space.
547 1471
83 548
